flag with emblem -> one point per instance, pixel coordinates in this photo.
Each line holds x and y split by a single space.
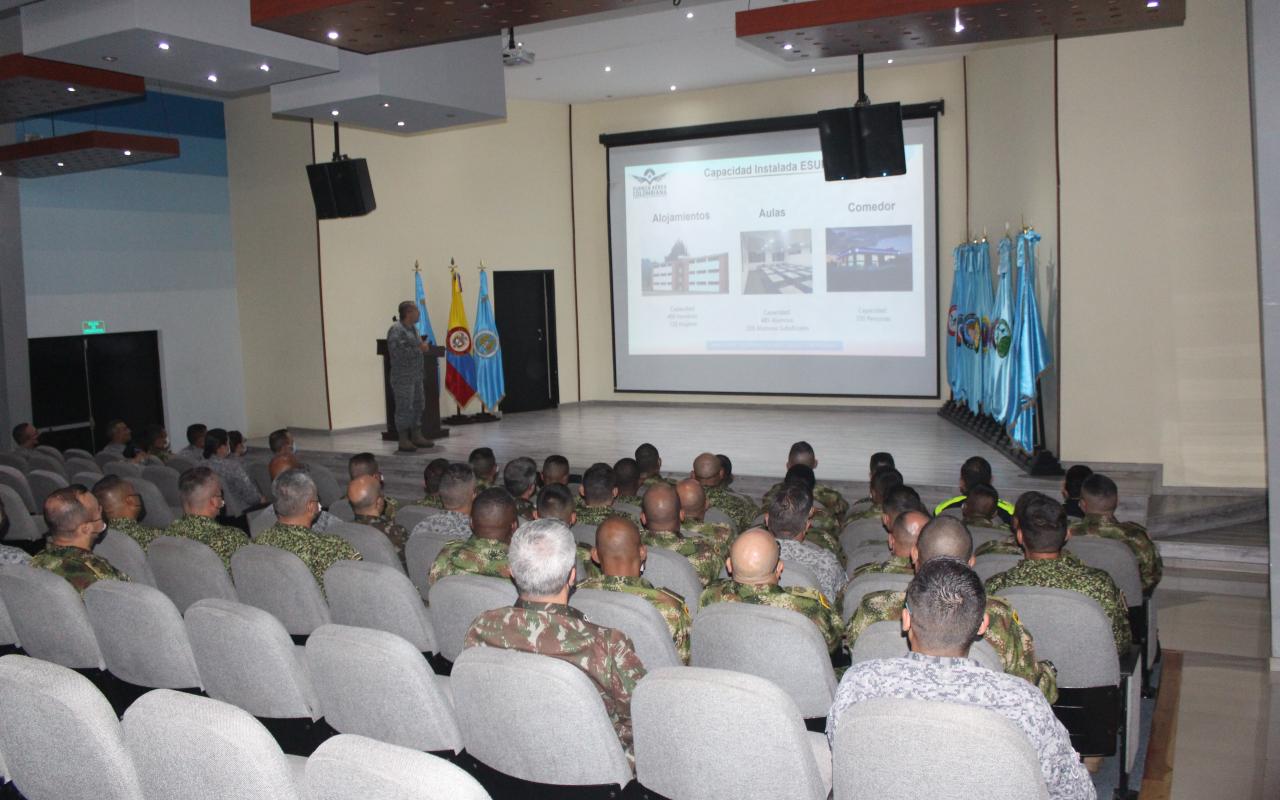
460 367
490 384
997 372
1029 354
420 297
958 293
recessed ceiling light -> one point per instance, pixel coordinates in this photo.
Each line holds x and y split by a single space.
787 46
333 35
673 87
688 15
334 112
959 25
264 67
61 164
608 68
128 152
110 59
813 69
519 44
386 105
71 88
213 78
1153 3
400 124
163 45
889 61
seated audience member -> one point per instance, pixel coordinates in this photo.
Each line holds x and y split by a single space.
297 505
980 507
485 466
201 503
788 520
727 465
906 528
152 447
899 500
238 488
118 438
194 451
650 465
520 479
555 501
825 528
431 477
10 555
237 443
1009 545
122 508
367 464
709 472
365 494
543 622
755 568
626 476
597 494
281 441
555 469
947 537
75 526
1072 484
283 463
944 615
881 484
1042 531
828 500
25 437
1098 499
973 471
457 491
493 519
621 556
661 517
861 507
693 502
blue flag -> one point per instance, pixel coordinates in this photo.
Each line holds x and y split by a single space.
976 318
424 320
490 384
996 372
953 324
1030 353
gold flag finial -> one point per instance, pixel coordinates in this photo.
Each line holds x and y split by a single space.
452 266
416 268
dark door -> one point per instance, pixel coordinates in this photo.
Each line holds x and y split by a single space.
81 383
524 309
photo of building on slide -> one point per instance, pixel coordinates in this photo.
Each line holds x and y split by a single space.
777 262
876 259
681 273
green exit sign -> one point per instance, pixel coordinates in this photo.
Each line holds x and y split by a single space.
93 326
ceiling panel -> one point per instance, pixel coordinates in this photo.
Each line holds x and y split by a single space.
31 87
82 152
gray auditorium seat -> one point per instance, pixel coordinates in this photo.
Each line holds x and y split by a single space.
777 644
981 536
410 515
680 717
993 564
166 480
52 452
376 684
74 466
535 718
187 571
60 738
419 554
260 474
13 459
159 512
894 749
49 617
104 459
670 570
634 616
124 469
349 766
196 748
869 553
342 509
46 462
246 658
22 525
868 530
278 582
1072 631
886 640
16 480
585 534
627 508
455 601
179 464
864 585
327 487
44 483
260 520
76 452
1113 557
717 516
376 596
126 555
795 574
371 543
86 479
141 635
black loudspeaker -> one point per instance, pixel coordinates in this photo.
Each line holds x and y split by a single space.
341 188
862 142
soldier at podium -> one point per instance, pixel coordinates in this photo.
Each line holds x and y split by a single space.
404 350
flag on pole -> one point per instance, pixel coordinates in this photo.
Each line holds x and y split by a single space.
976 318
460 370
997 371
953 324
420 297
1030 353
490 384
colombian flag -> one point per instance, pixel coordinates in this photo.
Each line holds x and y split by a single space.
460 370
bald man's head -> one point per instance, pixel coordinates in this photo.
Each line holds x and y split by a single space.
493 515
692 499
660 508
906 529
618 550
943 537
754 557
282 463
708 469
364 492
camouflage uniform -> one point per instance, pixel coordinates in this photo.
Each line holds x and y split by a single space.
449 525
707 557
474 556
594 515
809 602
524 508
430 501
824 531
607 656
896 565
669 604
629 499
1007 547
222 539
317 550
740 509
1004 633
136 531
396 534
995 524
405 357
653 480
863 511
81 568
830 501
1131 533
858 508
719 533
1070 574
391 508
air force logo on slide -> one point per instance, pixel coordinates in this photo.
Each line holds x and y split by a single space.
651 184
459 341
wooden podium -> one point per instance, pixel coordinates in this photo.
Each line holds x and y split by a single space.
430 390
